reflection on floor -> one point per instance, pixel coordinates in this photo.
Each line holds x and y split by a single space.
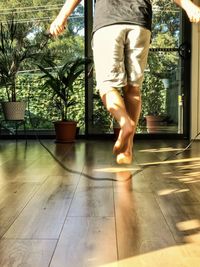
84 210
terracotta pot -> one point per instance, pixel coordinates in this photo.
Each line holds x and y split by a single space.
155 123
65 131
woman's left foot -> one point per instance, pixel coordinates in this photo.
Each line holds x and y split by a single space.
122 143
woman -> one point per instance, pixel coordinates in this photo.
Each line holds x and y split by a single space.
121 38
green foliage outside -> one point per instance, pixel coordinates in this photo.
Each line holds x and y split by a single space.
102 120
37 16
42 112
153 96
165 33
162 65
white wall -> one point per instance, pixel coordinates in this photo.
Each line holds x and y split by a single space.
195 80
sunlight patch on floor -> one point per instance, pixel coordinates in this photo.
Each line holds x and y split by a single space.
169 161
165 192
190 166
160 150
176 256
188 225
116 169
188 179
193 174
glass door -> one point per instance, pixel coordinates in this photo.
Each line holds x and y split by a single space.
165 92
166 83
32 22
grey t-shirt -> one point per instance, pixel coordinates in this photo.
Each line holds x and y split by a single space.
108 12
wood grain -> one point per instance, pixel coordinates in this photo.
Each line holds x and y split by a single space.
85 210
86 241
29 253
44 215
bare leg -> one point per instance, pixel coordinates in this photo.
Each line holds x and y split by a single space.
116 106
132 99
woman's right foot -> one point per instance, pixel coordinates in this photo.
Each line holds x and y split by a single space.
126 157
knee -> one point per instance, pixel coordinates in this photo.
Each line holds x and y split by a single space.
133 91
109 98
105 91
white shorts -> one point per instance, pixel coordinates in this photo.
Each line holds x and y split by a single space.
120 55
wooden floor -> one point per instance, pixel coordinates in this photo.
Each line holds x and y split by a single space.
85 211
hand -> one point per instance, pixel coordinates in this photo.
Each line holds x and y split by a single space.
58 26
193 13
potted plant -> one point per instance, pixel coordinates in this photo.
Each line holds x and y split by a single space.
153 99
60 79
16 46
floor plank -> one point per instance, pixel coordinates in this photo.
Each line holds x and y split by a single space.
13 198
26 253
44 215
86 241
141 226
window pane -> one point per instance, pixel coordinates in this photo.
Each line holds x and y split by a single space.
30 83
162 87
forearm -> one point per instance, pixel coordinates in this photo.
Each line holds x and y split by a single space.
185 4
68 8
58 25
182 3
192 10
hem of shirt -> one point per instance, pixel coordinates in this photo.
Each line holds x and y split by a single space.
145 25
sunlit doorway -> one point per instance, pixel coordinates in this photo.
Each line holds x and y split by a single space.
166 87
